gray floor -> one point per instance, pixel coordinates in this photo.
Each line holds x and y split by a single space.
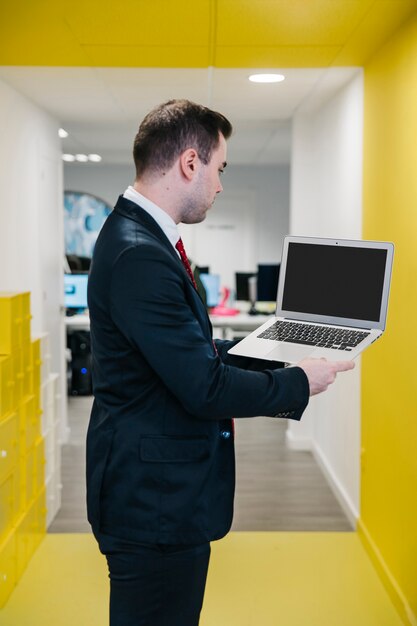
277 489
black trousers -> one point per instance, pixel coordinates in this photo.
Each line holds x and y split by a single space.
156 585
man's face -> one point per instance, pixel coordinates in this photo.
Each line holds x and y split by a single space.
205 186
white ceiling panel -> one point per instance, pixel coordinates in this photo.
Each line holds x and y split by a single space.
101 107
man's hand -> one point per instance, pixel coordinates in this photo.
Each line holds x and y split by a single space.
322 373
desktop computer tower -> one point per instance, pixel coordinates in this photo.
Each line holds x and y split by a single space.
80 383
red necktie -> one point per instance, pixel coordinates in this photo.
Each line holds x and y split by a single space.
180 247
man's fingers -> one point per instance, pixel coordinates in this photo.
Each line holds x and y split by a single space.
344 366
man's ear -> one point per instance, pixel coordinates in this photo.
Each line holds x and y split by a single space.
189 162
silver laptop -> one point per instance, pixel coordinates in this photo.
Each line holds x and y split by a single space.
332 301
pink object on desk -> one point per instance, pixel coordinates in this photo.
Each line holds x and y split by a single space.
222 309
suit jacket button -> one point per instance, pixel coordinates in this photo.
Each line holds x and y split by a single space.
225 434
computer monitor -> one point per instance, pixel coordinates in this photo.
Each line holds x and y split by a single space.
75 291
211 283
268 275
242 285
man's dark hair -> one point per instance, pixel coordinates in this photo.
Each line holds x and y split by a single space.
171 128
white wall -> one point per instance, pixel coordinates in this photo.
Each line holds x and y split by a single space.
268 187
252 210
31 216
100 179
326 201
246 224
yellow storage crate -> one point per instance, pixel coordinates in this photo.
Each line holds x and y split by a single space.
28 469
21 547
8 571
8 505
9 436
19 374
30 531
37 522
27 362
26 317
29 423
40 462
23 541
10 321
20 488
6 385
22 448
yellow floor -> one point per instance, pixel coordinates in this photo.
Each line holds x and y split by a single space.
255 579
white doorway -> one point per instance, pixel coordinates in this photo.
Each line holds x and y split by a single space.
226 240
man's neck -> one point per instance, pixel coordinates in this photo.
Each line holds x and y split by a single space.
160 195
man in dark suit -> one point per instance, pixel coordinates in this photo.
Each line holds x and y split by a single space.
160 445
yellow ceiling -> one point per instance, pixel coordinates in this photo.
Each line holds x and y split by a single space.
199 33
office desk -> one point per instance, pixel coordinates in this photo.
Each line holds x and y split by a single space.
77 322
236 325
227 326
78 327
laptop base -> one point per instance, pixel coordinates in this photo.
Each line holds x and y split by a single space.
280 351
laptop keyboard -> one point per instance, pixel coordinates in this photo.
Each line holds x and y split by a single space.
312 335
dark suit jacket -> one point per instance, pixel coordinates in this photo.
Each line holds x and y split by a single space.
160 449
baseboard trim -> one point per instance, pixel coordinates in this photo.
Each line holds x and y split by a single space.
335 485
297 443
394 590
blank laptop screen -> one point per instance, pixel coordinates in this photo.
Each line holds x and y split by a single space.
334 280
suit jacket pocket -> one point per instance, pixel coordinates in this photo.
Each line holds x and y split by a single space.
98 451
165 449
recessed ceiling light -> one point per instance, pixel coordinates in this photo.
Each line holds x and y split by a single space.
266 78
62 133
95 158
68 157
82 158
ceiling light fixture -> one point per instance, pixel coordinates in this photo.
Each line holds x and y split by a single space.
82 158
62 133
266 78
